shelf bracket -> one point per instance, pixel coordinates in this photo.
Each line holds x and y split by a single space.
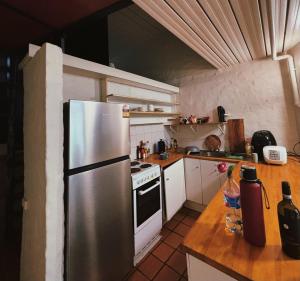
193 129
172 129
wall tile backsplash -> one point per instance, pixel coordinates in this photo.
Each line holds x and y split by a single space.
152 133
184 135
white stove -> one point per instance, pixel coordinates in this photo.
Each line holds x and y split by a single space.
147 206
142 172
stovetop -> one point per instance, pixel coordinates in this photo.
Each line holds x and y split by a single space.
142 172
137 166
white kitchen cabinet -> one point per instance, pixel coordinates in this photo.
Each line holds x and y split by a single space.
201 271
174 186
193 183
210 180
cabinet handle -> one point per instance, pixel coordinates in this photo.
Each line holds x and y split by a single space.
167 179
197 167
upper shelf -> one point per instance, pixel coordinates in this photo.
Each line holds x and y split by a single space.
139 100
153 113
87 68
194 127
207 123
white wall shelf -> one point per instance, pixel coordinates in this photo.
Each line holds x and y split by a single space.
152 113
114 97
196 127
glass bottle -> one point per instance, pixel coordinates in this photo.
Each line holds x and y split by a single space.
289 223
233 222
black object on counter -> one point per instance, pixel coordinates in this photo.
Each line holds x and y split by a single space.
221 113
161 146
138 153
289 223
260 139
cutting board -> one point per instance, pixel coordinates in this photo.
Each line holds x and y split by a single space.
236 135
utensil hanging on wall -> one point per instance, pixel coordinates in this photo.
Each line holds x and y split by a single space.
212 142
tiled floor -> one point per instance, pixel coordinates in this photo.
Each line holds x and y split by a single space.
166 261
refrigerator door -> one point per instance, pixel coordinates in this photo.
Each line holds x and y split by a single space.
97 132
100 225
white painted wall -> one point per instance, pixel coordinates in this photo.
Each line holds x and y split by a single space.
152 133
80 87
43 221
260 92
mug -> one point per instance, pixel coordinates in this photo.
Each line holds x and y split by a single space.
150 107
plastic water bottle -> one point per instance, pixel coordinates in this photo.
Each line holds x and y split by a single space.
232 202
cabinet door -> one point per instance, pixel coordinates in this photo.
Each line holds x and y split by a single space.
174 188
210 180
201 271
193 184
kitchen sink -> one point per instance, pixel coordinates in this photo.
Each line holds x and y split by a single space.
213 153
210 153
222 154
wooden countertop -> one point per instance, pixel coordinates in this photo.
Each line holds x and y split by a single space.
230 253
173 157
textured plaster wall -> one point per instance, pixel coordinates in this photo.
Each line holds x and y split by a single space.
295 52
259 92
43 221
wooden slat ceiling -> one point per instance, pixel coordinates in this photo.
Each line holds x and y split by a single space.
228 32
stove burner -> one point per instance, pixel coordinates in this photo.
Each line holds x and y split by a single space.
135 170
134 163
143 166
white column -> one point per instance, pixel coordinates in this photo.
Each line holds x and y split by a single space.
43 228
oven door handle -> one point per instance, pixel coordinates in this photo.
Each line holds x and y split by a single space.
142 192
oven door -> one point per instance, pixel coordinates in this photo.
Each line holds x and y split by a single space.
147 202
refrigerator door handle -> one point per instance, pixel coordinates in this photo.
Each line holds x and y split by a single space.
142 192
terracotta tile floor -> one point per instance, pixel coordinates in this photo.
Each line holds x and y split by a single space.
166 261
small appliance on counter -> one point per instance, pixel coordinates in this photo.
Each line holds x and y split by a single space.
260 139
275 154
161 146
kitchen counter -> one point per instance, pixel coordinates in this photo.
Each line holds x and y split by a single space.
230 253
174 156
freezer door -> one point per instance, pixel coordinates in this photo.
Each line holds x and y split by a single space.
97 132
100 241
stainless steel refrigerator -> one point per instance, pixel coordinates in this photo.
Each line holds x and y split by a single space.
98 194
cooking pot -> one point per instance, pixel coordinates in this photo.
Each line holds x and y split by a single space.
192 150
